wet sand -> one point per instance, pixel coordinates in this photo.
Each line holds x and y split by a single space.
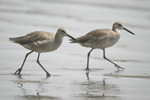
69 80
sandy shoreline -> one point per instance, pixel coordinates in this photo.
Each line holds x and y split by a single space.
69 80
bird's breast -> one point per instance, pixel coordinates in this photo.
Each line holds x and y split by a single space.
106 42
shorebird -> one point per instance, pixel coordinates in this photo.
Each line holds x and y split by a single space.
101 39
40 41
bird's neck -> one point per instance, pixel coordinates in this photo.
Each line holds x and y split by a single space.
58 39
116 31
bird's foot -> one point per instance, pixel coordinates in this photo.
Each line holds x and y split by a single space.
118 67
87 69
18 71
48 74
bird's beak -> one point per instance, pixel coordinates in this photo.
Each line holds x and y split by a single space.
71 37
128 30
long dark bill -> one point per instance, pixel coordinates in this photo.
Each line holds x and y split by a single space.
128 31
72 37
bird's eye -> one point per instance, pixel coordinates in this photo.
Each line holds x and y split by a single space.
119 25
63 31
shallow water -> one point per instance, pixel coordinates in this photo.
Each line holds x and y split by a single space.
69 80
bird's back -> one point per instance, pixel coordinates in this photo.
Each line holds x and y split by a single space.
33 37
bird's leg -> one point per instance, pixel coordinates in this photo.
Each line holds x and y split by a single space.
117 66
20 69
87 68
47 73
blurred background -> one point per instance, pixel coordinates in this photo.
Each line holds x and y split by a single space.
20 17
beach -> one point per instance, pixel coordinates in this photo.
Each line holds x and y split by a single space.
69 80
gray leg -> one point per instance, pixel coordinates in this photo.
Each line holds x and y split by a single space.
117 66
42 66
87 68
20 69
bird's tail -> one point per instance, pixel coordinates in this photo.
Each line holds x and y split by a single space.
73 41
12 40
16 40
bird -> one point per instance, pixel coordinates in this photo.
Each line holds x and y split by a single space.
40 41
101 39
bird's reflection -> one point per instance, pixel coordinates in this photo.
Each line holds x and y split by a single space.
96 88
38 87
19 76
87 75
118 71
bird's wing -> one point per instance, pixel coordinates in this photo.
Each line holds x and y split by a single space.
33 37
94 35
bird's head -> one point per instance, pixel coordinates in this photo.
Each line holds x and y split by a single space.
119 26
63 32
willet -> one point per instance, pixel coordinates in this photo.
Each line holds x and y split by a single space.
40 41
101 39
